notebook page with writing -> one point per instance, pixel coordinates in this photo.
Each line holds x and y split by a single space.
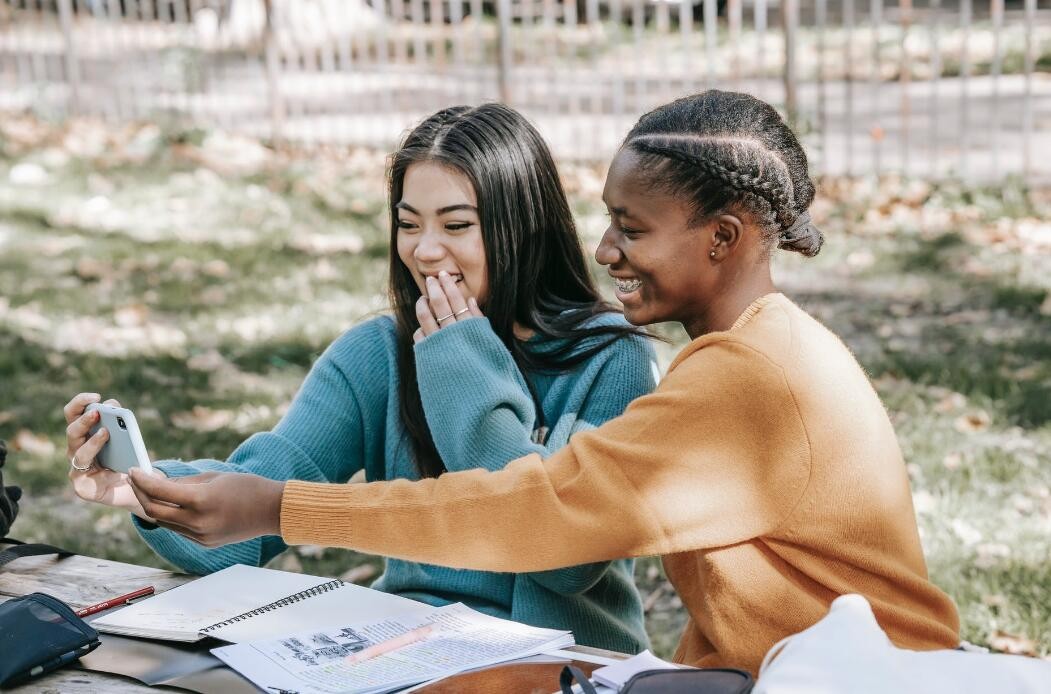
346 603
180 613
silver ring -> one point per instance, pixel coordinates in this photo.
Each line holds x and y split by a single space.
445 317
73 464
462 310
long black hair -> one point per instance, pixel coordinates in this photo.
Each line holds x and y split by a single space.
538 275
726 151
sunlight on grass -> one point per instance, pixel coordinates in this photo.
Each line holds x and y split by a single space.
202 299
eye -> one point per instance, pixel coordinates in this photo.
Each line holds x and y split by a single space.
406 225
458 226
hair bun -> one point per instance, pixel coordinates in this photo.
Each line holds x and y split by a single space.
802 237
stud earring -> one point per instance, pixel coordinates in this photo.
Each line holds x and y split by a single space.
711 254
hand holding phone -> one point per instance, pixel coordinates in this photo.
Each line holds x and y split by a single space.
85 437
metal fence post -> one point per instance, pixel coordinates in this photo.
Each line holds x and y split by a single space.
790 24
503 48
273 68
65 18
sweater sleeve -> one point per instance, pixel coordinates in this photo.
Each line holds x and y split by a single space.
480 411
475 398
320 439
687 467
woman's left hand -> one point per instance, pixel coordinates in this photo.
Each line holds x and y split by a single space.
442 305
213 508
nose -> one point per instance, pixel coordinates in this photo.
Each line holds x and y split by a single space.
429 248
607 252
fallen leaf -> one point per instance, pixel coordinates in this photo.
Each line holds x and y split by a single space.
1045 308
359 574
290 562
950 403
28 442
131 316
1010 643
202 418
972 422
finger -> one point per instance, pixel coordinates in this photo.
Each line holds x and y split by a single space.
417 337
112 402
457 304
161 511
472 304
176 528
165 490
202 478
423 314
75 407
438 301
80 426
87 453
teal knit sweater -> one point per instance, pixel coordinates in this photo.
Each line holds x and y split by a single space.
345 418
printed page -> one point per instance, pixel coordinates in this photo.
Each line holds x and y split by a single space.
348 604
178 614
315 661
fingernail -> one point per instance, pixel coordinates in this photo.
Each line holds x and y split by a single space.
443 274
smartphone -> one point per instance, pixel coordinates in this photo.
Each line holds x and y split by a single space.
125 448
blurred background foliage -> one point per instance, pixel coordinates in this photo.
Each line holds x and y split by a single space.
195 276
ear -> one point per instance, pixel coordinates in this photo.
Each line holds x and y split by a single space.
726 233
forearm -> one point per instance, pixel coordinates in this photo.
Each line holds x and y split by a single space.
477 403
523 518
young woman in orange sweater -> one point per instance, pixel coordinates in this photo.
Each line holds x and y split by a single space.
764 468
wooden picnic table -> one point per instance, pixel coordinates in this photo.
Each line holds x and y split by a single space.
81 581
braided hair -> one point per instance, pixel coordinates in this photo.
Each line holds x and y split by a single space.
729 151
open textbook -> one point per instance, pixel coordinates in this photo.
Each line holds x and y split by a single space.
243 603
316 661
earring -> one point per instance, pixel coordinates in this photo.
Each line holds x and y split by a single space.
711 254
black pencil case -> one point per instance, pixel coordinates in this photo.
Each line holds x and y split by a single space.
40 633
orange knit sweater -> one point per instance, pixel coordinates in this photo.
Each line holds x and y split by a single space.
763 469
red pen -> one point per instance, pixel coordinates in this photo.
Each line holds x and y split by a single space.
113 602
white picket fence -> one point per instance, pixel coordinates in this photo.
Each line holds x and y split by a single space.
933 88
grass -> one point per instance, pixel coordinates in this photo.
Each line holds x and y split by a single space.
202 300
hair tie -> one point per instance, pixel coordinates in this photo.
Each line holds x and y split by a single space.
796 229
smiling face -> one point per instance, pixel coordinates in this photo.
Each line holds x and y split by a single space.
439 228
657 259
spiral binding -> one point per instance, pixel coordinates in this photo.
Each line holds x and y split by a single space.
283 602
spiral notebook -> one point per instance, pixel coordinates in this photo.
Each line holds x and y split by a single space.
246 603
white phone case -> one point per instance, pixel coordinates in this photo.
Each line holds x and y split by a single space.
125 448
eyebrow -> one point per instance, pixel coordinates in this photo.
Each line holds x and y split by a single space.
402 205
621 211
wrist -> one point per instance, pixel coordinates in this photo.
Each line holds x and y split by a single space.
271 516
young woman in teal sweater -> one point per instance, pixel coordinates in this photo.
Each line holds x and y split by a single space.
476 205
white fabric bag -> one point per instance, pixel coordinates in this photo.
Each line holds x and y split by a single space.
847 651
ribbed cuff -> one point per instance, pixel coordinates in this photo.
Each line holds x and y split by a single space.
309 511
